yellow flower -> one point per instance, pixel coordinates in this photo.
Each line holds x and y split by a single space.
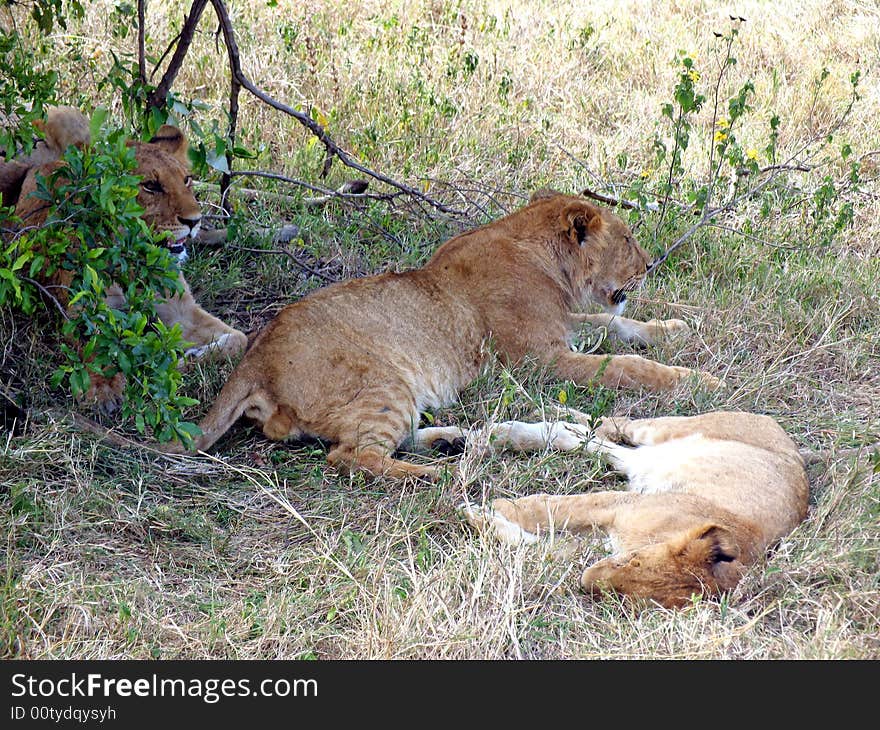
646 173
752 154
320 117
563 397
694 75
722 123
720 136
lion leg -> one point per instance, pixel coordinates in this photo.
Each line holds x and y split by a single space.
208 336
510 435
634 331
625 371
555 435
369 428
521 520
377 462
750 428
213 339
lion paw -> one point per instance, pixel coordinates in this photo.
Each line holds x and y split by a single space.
710 382
489 520
706 380
659 328
105 393
229 343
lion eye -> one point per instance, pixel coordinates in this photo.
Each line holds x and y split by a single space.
152 186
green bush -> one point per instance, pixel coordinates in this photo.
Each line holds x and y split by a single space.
95 231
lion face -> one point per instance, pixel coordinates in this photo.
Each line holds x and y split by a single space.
165 191
621 267
608 261
704 560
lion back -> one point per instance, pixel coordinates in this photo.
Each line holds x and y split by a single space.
64 126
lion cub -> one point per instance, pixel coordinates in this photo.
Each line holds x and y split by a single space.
355 363
706 497
165 194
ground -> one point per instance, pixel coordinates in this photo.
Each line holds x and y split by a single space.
262 551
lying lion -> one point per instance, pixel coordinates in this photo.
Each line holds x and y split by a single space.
355 363
165 194
706 497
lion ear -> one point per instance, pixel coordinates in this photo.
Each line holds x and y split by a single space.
715 547
582 220
173 141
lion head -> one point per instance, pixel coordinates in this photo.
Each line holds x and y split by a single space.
703 560
601 257
165 190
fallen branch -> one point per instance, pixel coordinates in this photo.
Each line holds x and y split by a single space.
630 204
352 190
285 252
216 236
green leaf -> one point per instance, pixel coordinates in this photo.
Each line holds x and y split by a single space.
99 116
244 153
79 381
218 162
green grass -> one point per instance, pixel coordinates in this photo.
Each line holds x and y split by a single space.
262 551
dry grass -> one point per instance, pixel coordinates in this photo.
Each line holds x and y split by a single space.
263 552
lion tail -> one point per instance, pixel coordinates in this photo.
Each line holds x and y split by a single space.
241 393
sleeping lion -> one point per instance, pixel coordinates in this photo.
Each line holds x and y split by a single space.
356 362
707 495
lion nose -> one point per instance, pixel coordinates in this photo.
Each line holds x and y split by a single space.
191 222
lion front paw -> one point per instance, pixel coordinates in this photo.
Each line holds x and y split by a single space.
666 328
105 393
709 381
230 344
706 380
488 519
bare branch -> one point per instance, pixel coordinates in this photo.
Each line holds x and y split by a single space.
285 252
306 120
607 200
141 41
190 23
51 297
347 191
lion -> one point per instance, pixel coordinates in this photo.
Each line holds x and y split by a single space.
165 194
706 497
356 362
64 126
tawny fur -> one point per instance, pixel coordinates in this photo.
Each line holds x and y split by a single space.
169 205
707 495
63 127
356 362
